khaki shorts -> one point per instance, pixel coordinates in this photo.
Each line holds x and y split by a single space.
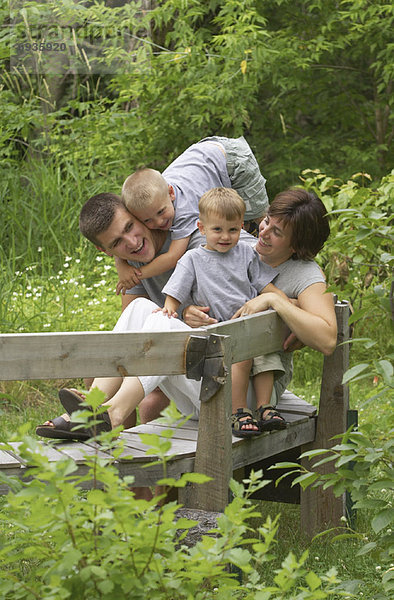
244 173
271 362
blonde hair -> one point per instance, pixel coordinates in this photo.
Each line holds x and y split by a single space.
141 189
225 202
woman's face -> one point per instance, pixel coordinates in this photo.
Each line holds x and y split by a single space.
274 245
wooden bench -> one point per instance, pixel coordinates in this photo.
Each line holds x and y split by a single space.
206 446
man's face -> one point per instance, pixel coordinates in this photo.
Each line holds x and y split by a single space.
128 238
160 213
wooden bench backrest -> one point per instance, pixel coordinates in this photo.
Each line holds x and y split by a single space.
107 354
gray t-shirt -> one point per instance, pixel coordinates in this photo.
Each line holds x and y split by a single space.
222 281
197 170
294 277
152 286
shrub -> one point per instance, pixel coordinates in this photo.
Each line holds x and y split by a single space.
60 543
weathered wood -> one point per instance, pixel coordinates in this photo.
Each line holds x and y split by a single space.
271 443
253 335
91 354
68 355
213 453
320 508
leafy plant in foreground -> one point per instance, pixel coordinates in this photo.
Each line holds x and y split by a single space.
58 543
363 467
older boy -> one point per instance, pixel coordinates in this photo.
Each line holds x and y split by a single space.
170 201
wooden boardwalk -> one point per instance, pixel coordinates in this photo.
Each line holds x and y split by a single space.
300 430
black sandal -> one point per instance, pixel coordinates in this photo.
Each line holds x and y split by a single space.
71 402
237 424
272 421
62 430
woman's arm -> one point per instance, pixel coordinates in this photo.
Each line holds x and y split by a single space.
313 321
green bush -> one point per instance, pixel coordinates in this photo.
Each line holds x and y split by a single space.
362 466
59 543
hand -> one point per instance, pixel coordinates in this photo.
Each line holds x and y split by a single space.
292 343
129 281
258 304
166 311
196 316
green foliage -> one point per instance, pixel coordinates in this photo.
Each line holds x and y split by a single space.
310 82
58 543
358 264
362 466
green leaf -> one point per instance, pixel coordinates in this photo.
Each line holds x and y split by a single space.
367 548
354 371
313 580
385 368
305 480
383 519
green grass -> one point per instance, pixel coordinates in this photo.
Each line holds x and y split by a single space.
323 552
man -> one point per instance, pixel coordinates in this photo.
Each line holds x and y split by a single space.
105 221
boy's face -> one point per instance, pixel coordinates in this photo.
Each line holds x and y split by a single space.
128 238
160 213
221 235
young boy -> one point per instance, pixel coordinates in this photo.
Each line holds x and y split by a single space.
169 201
224 274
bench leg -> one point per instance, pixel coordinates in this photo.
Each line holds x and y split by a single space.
321 509
214 446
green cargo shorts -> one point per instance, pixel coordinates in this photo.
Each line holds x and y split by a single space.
244 173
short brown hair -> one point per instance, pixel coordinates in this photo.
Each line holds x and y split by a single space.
307 215
140 188
97 215
225 202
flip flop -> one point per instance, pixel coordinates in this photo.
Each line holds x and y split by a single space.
72 402
61 430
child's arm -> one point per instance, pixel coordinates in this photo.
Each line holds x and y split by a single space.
166 261
256 304
128 276
170 307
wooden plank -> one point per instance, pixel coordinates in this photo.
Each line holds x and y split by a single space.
8 461
47 450
253 335
320 509
178 447
78 451
268 444
69 355
89 354
157 429
148 476
213 453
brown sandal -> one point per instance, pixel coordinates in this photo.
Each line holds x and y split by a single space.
272 421
248 419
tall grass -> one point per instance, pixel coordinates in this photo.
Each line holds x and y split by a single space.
41 204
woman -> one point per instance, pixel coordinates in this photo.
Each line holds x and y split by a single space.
292 233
